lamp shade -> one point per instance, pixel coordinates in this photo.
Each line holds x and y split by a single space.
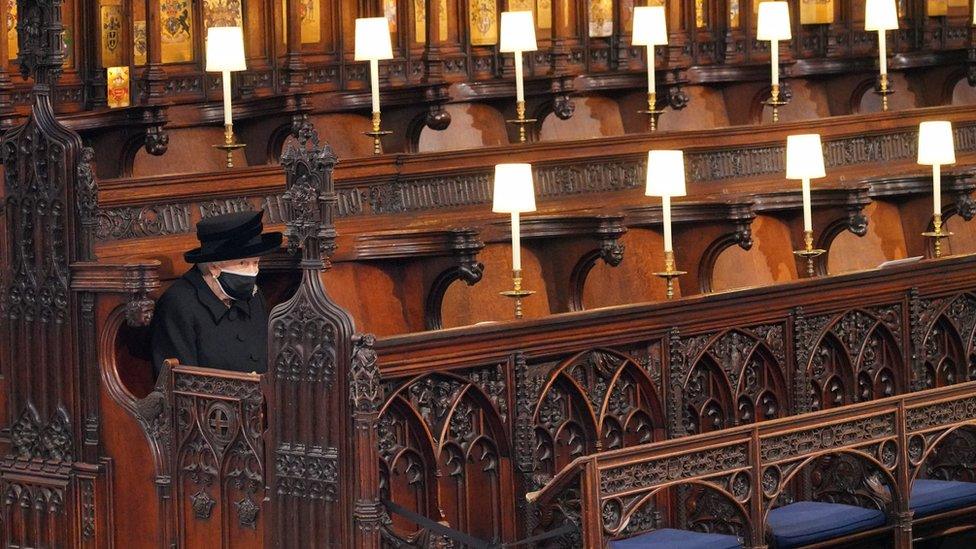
665 173
804 157
880 15
514 191
373 39
650 28
518 32
225 49
935 144
774 21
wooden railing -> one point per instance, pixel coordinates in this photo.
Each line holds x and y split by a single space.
525 399
866 454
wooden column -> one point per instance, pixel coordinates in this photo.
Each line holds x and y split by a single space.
154 77
316 484
53 482
294 69
6 86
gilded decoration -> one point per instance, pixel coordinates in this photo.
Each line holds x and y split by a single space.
700 13
390 12
734 11
222 13
935 8
176 27
816 12
118 86
111 23
601 18
484 22
139 42
442 22
419 21
308 14
544 14
12 47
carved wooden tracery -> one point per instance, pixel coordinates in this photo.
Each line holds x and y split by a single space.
595 400
943 332
219 461
730 378
445 453
851 357
46 327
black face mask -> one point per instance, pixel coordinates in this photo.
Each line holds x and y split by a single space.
237 286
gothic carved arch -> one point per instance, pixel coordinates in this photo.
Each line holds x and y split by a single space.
704 507
945 455
850 357
851 476
831 375
947 350
595 400
732 377
706 398
407 465
444 437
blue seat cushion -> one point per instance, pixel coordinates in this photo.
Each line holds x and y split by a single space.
669 538
934 496
806 522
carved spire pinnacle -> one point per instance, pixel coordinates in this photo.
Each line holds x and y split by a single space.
40 41
310 199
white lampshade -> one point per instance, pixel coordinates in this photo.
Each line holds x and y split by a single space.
804 157
774 21
935 144
665 173
880 15
225 49
650 27
373 39
514 191
518 32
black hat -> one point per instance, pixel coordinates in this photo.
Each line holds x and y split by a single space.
232 236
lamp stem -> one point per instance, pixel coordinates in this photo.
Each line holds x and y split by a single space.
520 113
374 83
228 108
516 243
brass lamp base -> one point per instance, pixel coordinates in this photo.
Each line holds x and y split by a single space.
884 91
809 253
669 273
652 112
521 121
229 145
775 102
517 293
937 235
376 133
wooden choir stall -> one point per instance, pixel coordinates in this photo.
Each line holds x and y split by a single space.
761 348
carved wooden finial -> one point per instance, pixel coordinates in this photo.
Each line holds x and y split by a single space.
40 40
310 198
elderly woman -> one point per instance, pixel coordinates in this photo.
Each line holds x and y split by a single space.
214 315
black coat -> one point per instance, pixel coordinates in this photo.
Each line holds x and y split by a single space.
192 325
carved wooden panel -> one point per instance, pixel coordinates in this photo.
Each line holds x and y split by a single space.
595 400
854 356
943 333
728 378
218 459
445 453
